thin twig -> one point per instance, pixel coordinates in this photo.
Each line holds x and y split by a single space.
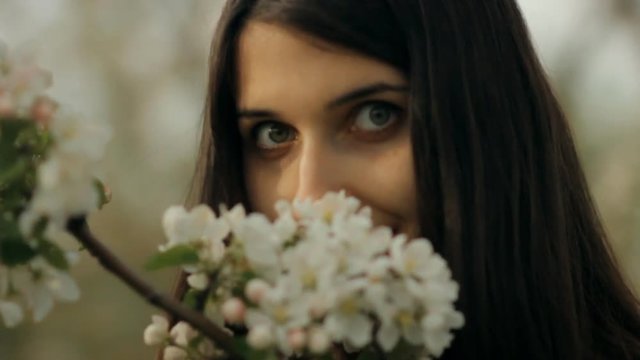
78 228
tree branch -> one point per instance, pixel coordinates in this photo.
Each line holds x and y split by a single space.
78 227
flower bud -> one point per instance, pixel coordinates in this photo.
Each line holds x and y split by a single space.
174 353
6 105
157 331
198 281
260 337
297 339
42 110
319 341
233 311
255 290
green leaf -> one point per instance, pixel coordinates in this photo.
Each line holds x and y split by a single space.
10 130
13 171
249 353
15 252
53 254
191 299
175 256
9 230
369 353
103 197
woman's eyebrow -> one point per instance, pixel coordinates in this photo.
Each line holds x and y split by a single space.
258 113
364 92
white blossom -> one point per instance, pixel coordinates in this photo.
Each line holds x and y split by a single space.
11 312
41 284
182 333
260 336
174 353
261 243
320 272
198 281
156 332
319 341
199 228
347 321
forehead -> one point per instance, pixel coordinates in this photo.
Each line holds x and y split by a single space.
276 63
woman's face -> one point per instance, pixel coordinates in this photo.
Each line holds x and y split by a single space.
318 118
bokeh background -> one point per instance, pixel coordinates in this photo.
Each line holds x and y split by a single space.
141 66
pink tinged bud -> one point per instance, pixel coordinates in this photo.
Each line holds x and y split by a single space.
260 337
319 341
255 290
108 193
42 110
297 339
233 311
6 105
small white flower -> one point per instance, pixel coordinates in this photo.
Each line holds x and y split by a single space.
260 337
329 205
281 309
414 258
261 243
346 320
172 216
40 284
11 313
199 228
182 333
174 353
156 332
234 217
399 315
199 224
437 326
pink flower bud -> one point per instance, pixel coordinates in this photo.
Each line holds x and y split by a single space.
297 339
6 105
233 311
43 109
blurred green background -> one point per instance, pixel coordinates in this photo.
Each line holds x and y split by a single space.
141 66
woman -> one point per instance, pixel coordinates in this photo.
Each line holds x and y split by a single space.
439 116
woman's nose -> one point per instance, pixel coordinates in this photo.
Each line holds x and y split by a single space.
320 168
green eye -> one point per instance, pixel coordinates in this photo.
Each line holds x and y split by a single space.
270 135
375 117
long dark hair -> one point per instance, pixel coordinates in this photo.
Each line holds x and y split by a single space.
500 189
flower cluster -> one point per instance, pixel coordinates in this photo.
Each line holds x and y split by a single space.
180 342
48 167
320 273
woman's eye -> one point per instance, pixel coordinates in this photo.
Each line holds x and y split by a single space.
375 117
271 135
